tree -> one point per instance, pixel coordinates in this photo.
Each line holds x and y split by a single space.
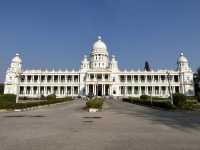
147 66
197 83
1 88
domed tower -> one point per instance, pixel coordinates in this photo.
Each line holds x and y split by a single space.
183 64
12 75
186 75
85 64
114 64
99 57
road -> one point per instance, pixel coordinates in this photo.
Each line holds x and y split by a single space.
120 126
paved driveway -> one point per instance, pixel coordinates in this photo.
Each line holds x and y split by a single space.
121 126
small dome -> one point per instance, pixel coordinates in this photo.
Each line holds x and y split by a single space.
17 59
99 46
182 58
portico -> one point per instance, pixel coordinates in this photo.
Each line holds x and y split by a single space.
99 89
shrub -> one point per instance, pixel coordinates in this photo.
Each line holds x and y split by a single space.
198 96
161 104
32 104
24 98
144 97
8 98
51 97
179 99
90 95
159 98
95 103
67 98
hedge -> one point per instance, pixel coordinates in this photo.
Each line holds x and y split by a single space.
7 97
12 105
144 97
161 104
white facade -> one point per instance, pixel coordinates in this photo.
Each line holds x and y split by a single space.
99 75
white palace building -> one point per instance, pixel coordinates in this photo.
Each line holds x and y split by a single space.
99 75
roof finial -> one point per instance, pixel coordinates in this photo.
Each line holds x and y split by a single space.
182 54
99 38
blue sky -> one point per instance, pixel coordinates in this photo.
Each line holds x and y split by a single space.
56 34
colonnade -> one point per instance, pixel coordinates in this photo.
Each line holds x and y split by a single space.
35 91
147 90
98 89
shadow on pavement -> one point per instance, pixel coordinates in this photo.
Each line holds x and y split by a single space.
181 120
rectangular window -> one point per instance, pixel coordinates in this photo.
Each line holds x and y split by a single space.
136 90
122 78
135 78
129 90
129 78
176 79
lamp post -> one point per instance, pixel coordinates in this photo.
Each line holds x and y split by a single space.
97 89
170 92
151 90
18 76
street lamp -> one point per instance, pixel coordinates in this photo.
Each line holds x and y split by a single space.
97 89
151 91
170 92
18 76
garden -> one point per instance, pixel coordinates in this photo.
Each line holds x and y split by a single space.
180 101
7 101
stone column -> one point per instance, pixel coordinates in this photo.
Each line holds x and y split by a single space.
38 90
25 90
32 78
52 90
159 90
95 92
102 89
139 90
72 89
86 89
125 90
25 78
45 89
146 90
93 89
31 90
152 78
58 93
39 78
132 88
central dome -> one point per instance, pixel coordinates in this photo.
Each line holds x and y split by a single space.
99 47
182 58
17 59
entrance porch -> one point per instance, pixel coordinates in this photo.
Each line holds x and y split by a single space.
98 89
